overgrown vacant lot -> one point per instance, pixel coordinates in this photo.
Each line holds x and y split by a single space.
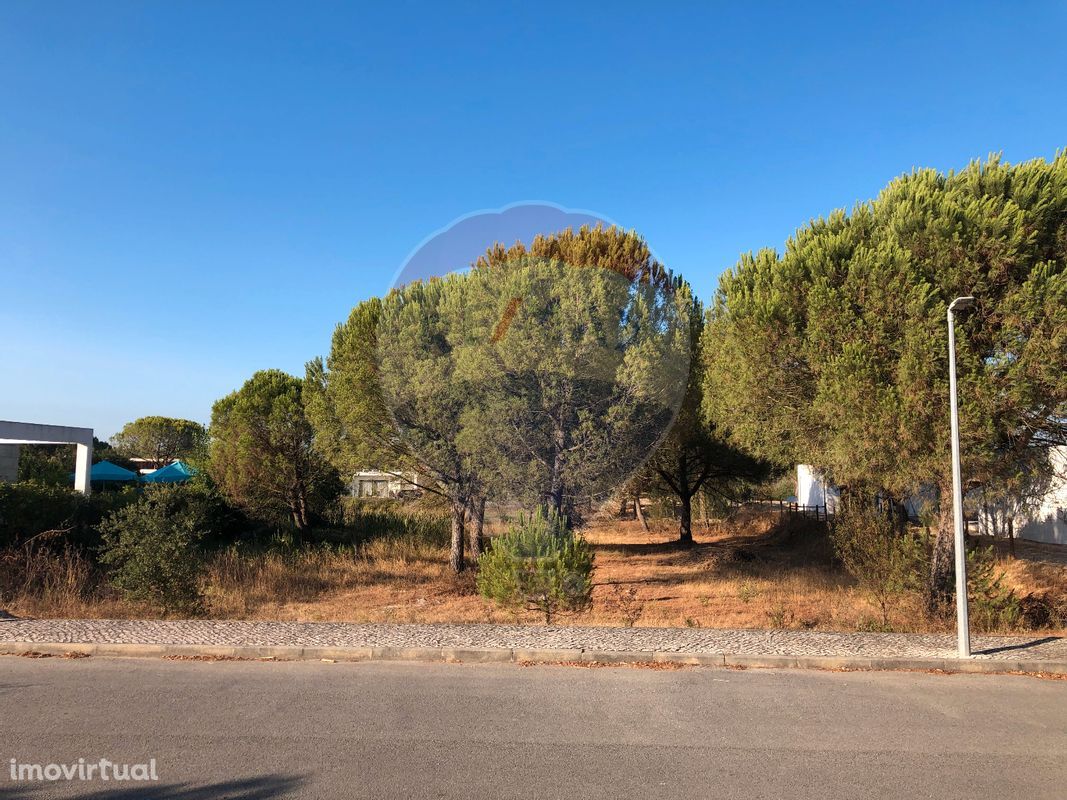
753 572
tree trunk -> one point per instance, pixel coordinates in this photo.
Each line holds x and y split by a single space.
477 524
455 557
1011 536
298 511
559 460
624 506
305 515
685 520
640 512
555 495
940 589
704 511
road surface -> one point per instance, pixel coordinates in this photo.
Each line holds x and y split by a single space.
407 730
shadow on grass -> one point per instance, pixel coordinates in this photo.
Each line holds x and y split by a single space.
673 548
784 545
257 788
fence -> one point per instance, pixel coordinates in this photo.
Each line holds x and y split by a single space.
818 513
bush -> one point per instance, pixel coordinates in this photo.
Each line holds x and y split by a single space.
49 464
884 561
1040 611
154 547
991 606
540 564
54 514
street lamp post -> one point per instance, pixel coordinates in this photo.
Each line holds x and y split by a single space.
963 629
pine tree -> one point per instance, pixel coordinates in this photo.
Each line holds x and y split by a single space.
261 452
834 353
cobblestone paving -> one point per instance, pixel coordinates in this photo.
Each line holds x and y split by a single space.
692 640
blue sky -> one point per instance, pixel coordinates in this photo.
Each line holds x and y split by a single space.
190 192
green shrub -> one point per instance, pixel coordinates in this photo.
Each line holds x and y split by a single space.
991 606
884 561
57 515
154 547
50 464
540 564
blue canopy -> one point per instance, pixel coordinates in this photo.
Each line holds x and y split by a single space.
178 472
106 471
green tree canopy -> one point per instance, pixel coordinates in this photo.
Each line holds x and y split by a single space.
625 253
161 440
546 374
834 353
572 374
262 456
355 427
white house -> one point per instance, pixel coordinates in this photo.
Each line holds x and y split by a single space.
815 489
375 483
1042 518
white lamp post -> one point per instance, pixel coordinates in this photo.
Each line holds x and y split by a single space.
963 628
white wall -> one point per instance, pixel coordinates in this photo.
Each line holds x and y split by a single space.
1042 520
362 483
35 433
813 489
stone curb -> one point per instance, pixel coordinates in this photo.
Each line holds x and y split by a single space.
472 655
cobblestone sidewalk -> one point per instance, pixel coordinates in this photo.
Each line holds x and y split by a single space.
679 640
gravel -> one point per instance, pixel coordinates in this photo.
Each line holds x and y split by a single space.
689 640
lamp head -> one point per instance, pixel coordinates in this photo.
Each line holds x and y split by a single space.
961 304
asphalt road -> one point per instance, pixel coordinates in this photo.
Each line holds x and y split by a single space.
407 730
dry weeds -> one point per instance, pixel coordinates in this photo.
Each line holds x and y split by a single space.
748 573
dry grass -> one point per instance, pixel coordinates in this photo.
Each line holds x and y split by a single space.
42 583
389 579
749 573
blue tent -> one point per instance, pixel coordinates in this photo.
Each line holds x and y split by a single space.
106 471
178 472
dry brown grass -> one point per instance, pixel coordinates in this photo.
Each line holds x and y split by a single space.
748 573
386 580
39 582
751 572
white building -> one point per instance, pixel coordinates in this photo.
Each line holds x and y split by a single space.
13 434
375 483
1042 518
815 490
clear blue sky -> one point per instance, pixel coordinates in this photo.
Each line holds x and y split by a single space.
193 191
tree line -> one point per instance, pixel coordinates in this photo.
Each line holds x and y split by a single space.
551 373
835 351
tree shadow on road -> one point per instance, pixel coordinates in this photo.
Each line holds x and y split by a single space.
255 788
